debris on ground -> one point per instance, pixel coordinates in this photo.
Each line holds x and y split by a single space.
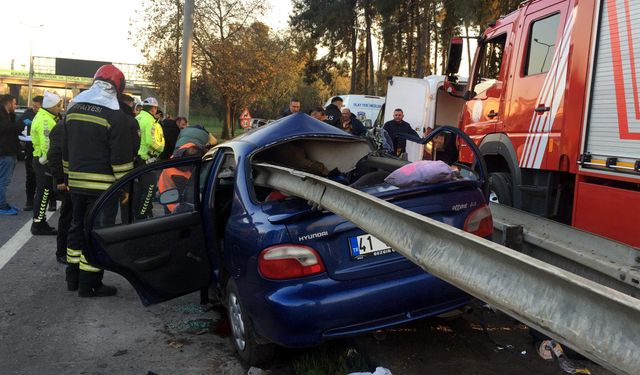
550 349
379 371
257 371
176 344
120 352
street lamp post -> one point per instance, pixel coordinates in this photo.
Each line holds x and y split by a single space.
185 73
29 94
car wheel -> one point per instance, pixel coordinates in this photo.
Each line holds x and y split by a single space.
243 335
500 187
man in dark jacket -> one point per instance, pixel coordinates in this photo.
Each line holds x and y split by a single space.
127 105
61 190
30 181
399 130
9 148
171 128
351 124
333 112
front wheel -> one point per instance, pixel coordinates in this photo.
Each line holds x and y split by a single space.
500 188
244 337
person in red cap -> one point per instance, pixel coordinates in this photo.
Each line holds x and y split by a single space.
96 151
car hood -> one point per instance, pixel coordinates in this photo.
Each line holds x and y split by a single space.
297 125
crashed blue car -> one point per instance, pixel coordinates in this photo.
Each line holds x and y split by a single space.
289 274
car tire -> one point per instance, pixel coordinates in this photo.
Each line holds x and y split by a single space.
500 188
243 336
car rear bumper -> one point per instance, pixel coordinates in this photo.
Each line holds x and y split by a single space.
310 312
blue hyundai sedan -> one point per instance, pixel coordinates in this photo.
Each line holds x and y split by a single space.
288 273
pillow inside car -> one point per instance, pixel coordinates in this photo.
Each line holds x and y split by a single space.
420 173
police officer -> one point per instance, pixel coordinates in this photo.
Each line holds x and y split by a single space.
96 152
41 127
151 146
333 112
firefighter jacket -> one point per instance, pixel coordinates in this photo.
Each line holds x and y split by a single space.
151 136
41 127
96 149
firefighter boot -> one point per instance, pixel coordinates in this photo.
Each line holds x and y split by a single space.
91 285
72 277
101 290
42 228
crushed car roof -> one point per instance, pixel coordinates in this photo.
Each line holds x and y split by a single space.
296 125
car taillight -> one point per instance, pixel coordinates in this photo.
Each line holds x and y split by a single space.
479 222
289 261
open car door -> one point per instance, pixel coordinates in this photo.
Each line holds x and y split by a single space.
148 228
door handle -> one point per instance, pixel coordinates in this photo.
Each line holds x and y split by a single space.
542 108
492 114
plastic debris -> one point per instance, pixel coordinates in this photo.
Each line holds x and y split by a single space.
564 363
378 371
175 344
120 352
256 371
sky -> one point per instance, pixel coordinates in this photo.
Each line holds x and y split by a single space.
83 29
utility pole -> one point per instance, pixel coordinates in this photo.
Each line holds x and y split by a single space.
185 73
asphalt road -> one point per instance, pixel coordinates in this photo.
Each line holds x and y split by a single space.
44 329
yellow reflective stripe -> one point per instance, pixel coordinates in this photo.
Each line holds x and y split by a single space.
122 167
80 184
73 256
65 163
119 175
74 253
87 118
85 266
65 170
92 176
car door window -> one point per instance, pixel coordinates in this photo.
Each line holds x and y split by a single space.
489 63
153 194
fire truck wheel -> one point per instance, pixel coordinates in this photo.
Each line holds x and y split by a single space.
500 188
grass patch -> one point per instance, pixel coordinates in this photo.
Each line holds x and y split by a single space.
213 124
336 359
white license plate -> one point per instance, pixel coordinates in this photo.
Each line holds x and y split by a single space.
367 245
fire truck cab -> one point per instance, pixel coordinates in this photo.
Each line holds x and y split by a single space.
553 104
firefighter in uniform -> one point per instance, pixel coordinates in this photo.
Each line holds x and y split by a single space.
96 151
43 123
151 146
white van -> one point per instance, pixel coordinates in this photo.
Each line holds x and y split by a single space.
365 107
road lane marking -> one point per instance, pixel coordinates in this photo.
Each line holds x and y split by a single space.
15 243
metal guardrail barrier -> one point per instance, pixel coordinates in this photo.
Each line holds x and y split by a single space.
599 322
598 259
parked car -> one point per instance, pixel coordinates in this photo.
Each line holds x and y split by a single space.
288 274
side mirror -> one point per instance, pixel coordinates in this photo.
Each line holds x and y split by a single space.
169 196
454 57
469 94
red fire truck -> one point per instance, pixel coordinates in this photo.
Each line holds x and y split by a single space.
553 102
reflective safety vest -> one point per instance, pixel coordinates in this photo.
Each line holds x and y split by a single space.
42 124
178 177
151 136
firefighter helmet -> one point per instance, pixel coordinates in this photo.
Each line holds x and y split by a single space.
111 74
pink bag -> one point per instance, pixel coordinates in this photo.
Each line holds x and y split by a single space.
420 173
